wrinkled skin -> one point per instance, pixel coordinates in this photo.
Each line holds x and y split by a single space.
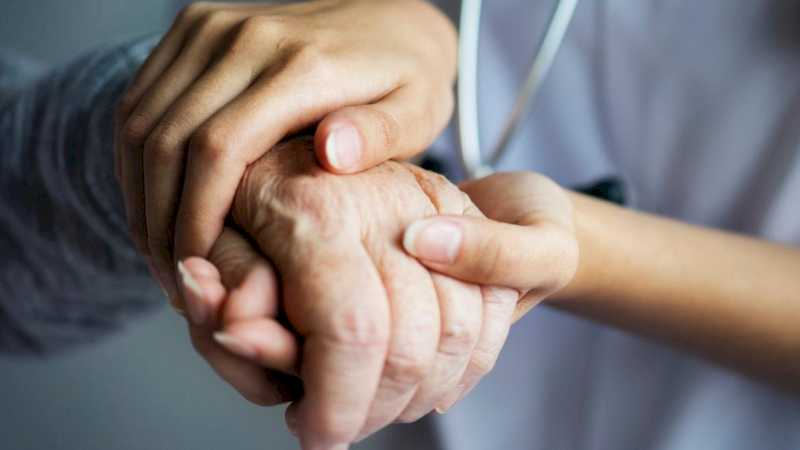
384 339
230 80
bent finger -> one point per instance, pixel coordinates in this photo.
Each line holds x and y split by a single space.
236 270
156 63
258 385
461 311
285 99
263 341
499 305
165 149
413 343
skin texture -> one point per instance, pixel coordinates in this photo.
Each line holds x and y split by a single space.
391 346
228 81
530 241
732 299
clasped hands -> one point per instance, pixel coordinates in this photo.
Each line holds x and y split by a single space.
372 292
395 284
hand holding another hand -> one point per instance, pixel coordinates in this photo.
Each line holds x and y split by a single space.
229 81
383 338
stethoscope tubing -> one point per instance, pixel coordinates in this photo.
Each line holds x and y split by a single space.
472 161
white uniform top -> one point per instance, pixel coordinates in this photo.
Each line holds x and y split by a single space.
696 105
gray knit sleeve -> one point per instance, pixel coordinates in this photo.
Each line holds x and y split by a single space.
68 271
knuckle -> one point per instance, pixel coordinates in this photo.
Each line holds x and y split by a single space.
307 192
135 130
161 147
358 327
212 143
212 21
482 362
125 106
502 297
388 129
313 61
458 336
193 11
441 193
405 367
314 206
258 28
209 23
491 259
256 32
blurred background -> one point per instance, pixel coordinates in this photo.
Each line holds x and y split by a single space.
143 388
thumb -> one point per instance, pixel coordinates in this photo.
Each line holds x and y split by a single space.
537 258
399 126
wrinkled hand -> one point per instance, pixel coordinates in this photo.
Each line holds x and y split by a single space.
228 81
383 338
243 297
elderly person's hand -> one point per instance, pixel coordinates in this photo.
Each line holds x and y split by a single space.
347 283
228 81
383 338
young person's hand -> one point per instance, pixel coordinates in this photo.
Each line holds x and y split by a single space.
526 241
228 81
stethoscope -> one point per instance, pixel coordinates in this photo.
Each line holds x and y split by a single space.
472 160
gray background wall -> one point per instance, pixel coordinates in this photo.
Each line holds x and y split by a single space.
144 388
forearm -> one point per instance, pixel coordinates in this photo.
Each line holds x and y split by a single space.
733 299
68 270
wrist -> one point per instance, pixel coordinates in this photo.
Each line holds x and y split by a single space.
587 225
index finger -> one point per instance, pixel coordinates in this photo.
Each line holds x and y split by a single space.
286 98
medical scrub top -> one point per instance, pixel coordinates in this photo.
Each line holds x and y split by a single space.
695 105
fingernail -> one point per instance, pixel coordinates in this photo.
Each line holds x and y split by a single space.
343 148
235 345
435 240
193 301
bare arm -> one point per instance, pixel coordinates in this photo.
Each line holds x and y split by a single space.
731 298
